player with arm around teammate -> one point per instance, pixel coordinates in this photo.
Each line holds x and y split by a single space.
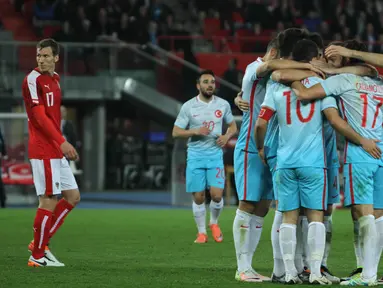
47 149
361 99
201 120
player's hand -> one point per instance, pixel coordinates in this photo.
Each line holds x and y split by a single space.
69 151
243 105
222 140
334 50
261 154
317 71
323 66
202 131
369 145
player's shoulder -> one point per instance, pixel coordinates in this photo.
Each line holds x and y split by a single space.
32 76
221 101
311 81
254 65
191 102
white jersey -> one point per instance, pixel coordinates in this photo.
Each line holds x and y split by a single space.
195 114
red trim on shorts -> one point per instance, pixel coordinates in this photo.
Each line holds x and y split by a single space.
248 136
324 204
351 186
324 147
345 119
48 177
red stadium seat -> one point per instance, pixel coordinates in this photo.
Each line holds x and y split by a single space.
48 31
220 39
211 26
237 17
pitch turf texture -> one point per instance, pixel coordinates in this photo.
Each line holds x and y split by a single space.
142 248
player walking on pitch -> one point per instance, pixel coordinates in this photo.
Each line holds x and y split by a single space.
200 120
47 147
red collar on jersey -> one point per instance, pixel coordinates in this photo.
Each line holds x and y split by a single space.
55 75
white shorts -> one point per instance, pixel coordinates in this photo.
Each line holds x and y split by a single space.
51 176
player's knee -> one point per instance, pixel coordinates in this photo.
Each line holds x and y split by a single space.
216 198
378 213
199 198
314 215
329 210
47 202
72 196
247 206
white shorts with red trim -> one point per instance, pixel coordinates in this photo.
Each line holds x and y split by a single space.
51 176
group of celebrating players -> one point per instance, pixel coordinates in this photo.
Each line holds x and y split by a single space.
286 151
292 99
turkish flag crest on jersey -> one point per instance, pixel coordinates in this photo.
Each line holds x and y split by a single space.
218 113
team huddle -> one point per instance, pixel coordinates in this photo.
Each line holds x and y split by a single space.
295 100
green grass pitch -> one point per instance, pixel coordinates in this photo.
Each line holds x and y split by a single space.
142 248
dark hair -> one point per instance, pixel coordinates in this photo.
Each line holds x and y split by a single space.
305 50
355 45
273 44
205 72
288 38
317 39
336 43
49 43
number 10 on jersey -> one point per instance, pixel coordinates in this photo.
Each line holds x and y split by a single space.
49 99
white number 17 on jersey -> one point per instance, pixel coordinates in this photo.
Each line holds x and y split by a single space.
49 99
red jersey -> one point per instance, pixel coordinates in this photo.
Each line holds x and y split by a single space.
42 98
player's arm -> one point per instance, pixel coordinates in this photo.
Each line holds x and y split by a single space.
230 132
308 94
232 126
360 70
291 75
260 130
242 105
278 64
182 121
346 130
372 58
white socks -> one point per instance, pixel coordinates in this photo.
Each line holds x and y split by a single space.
288 241
316 242
299 250
358 245
279 267
328 224
369 239
305 229
256 225
241 233
379 230
199 212
215 211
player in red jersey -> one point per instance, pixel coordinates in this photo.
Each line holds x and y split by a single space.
47 147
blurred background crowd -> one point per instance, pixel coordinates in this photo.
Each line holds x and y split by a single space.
142 21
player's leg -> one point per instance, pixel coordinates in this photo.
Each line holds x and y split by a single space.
313 191
287 186
71 197
278 275
263 190
196 184
359 188
245 232
215 176
46 173
378 213
333 198
300 255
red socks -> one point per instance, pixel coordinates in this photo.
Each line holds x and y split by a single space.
41 227
62 209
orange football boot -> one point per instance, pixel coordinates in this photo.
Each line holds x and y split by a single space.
201 238
216 231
